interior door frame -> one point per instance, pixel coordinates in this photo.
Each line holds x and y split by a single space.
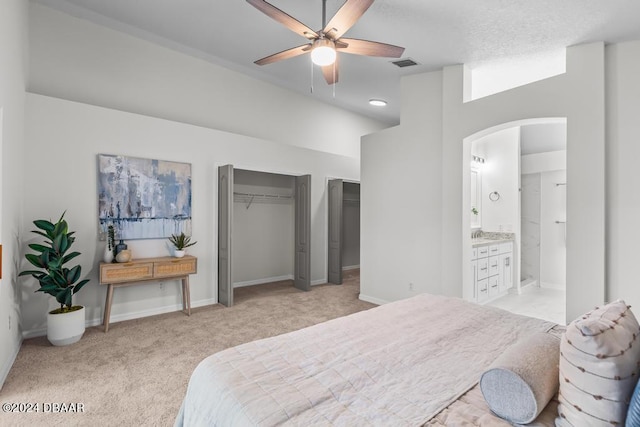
225 240
252 169
326 224
302 243
335 196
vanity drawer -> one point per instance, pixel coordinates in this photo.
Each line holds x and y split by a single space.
494 265
483 251
493 284
483 290
483 268
494 250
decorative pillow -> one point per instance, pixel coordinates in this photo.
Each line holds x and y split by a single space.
633 414
599 355
523 379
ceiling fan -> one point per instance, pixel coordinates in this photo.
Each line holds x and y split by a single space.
324 44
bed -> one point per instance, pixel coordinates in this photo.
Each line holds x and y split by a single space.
412 362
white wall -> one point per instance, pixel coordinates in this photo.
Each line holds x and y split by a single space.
72 134
500 173
411 152
543 162
623 174
530 227
401 196
553 246
78 60
13 59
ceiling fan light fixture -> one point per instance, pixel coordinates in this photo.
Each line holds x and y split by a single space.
378 102
323 53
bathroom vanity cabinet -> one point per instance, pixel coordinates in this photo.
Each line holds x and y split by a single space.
492 270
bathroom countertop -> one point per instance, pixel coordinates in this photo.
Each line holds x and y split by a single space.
484 241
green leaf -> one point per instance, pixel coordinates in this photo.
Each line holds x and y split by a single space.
73 275
48 288
80 285
44 225
35 260
30 273
69 257
42 234
39 248
63 296
57 242
54 263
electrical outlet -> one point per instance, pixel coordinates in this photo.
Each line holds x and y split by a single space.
161 286
411 286
9 322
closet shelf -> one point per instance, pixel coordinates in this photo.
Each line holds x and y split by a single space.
250 198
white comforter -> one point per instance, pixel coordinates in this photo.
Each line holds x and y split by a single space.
397 364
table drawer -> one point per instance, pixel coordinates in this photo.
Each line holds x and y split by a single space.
125 272
175 267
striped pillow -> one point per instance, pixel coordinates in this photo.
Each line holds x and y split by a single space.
599 355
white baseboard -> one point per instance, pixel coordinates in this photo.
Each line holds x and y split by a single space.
318 282
263 281
555 286
4 373
126 316
350 267
372 300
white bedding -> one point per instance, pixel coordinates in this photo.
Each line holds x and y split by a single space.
397 364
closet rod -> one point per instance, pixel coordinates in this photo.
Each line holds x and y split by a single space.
273 196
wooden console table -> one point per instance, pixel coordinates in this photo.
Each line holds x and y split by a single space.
144 270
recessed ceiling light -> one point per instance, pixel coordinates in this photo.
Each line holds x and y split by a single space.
377 102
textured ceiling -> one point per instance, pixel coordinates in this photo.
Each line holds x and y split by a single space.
435 33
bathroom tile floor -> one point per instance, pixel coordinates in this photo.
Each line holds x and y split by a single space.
542 303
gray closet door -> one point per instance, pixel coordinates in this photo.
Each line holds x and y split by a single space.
302 262
225 231
335 231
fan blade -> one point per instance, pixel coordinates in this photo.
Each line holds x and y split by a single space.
285 54
330 73
345 17
287 20
369 48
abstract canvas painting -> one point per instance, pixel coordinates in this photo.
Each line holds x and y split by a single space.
143 198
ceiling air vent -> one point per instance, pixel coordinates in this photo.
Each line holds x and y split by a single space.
404 63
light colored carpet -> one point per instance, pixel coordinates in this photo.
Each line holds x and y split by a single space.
137 373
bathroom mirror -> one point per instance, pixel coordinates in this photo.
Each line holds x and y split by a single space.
476 199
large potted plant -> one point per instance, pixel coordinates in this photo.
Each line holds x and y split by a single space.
65 325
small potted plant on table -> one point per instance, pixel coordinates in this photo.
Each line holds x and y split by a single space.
65 325
180 243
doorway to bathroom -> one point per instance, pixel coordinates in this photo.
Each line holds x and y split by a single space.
517 192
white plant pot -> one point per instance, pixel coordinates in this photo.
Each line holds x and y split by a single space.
178 254
65 328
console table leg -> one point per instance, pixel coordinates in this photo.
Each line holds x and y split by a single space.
186 296
107 307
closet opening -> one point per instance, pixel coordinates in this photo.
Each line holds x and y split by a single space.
343 229
263 230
